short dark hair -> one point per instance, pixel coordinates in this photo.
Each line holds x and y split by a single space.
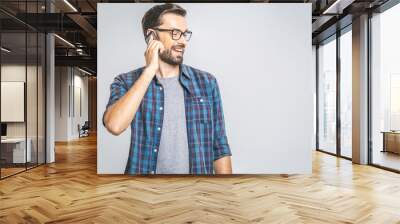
152 18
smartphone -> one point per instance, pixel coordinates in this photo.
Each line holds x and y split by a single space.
151 36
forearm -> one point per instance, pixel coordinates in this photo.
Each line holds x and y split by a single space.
223 165
119 115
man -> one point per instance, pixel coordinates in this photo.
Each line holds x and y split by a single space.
174 110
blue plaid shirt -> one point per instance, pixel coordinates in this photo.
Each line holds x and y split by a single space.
204 121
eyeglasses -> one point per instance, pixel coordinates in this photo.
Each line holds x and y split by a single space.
177 34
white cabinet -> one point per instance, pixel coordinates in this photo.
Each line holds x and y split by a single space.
18 149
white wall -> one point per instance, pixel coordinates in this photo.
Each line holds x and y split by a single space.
17 72
14 72
80 84
314 73
261 56
68 81
61 103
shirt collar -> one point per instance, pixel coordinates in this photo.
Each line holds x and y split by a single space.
184 77
183 69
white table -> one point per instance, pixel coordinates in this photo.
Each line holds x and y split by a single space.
18 145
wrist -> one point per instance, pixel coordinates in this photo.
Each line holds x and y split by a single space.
150 68
149 71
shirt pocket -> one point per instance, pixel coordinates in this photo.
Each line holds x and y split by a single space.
202 125
201 109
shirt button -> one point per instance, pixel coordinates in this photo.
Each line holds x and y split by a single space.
152 172
160 88
161 108
159 128
155 150
201 99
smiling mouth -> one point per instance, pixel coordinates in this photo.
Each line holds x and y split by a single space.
180 50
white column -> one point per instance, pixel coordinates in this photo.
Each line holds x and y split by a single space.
50 100
50 92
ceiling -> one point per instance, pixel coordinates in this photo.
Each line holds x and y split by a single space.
75 21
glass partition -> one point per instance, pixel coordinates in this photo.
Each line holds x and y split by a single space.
31 100
41 97
13 103
22 108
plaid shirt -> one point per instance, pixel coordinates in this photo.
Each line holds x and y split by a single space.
207 139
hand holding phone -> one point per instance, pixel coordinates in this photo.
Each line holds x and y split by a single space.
149 37
152 52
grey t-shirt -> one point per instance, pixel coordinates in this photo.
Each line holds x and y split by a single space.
173 154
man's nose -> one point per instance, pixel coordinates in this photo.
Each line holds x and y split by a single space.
182 41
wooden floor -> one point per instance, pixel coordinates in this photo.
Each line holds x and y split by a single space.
70 191
5 172
387 159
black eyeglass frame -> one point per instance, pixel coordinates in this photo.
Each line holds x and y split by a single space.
187 34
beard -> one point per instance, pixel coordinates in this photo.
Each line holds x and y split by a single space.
168 58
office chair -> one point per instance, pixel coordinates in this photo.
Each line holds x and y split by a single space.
84 130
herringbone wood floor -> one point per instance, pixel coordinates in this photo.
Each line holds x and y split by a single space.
70 191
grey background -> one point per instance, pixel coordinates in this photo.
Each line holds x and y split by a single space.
261 56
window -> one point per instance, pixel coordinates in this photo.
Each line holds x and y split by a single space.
327 96
346 94
385 89
334 138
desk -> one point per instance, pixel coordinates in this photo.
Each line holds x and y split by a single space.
13 150
391 141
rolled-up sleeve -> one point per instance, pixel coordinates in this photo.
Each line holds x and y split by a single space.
221 146
117 90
